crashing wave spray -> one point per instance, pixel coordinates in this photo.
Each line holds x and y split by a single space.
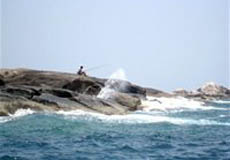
113 84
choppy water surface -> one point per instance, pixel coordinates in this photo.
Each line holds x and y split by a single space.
169 131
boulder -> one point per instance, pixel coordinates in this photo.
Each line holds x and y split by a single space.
212 89
84 85
125 87
11 105
134 89
3 113
98 105
126 100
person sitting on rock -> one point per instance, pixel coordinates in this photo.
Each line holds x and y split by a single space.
81 72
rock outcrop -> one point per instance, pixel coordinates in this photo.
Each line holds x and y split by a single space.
209 91
212 89
54 91
84 85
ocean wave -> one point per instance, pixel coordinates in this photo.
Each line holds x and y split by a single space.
222 101
175 104
4 119
223 116
153 112
135 118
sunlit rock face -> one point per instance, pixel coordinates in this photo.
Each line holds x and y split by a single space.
213 89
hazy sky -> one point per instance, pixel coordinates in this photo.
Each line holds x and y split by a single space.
0 34
165 44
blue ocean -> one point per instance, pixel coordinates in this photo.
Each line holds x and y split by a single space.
176 129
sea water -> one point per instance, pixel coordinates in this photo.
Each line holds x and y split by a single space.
176 128
165 129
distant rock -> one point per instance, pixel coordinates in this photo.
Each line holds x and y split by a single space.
212 89
157 93
181 92
208 91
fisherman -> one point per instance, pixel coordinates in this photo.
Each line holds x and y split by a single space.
81 72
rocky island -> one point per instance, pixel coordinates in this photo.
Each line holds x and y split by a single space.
54 91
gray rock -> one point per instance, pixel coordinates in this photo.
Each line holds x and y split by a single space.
209 91
212 89
11 105
126 87
85 85
54 91
20 91
157 93
126 100
63 93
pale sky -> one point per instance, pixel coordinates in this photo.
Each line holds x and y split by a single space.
0 34
164 44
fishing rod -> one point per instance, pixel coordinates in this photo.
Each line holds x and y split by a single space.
96 67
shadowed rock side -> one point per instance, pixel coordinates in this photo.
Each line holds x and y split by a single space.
157 93
53 91
2 82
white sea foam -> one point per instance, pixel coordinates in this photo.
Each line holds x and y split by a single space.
22 112
4 119
17 114
222 101
136 118
174 104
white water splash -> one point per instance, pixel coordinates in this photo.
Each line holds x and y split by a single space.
22 112
113 84
17 114
119 74
174 104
